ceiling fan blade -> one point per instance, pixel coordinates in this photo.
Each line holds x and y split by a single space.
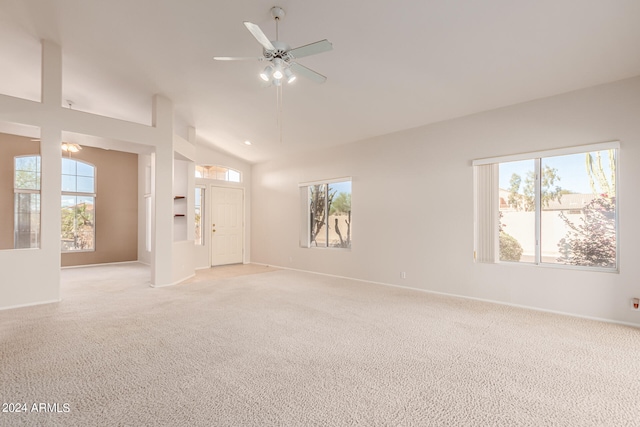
311 49
259 35
301 70
238 58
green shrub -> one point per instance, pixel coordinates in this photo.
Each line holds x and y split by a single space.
593 242
510 249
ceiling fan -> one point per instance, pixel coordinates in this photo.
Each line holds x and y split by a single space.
281 57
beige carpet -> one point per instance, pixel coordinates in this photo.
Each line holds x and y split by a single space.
286 348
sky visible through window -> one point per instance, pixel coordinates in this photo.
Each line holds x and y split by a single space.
341 187
572 171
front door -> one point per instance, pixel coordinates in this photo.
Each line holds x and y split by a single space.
227 242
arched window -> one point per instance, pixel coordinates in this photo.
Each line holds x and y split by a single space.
78 206
220 173
26 189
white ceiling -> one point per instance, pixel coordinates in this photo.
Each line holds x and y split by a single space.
395 64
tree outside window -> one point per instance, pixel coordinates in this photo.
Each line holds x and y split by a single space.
77 231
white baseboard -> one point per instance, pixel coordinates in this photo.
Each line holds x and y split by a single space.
30 304
105 264
580 316
174 283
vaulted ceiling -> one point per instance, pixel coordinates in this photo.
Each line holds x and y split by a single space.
395 64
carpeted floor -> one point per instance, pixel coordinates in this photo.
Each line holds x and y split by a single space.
287 348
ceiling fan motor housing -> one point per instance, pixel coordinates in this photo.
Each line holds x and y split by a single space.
281 51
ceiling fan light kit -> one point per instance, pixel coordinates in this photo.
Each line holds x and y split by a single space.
289 75
277 69
266 74
281 57
70 148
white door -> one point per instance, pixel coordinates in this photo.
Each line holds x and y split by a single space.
227 242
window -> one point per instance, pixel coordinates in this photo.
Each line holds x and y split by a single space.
326 214
78 206
557 207
26 187
218 172
199 217
148 210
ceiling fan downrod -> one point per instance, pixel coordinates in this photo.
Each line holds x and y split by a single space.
277 13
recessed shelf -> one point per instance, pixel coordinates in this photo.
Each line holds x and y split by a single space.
178 198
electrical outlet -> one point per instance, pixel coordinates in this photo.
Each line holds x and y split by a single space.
403 275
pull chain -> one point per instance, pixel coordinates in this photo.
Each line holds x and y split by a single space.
279 90
279 110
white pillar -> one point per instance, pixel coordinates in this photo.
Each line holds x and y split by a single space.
50 150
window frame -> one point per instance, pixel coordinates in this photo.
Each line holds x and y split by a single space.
486 216
305 225
31 191
77 194
202 189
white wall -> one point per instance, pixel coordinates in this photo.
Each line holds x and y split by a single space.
413 204
32 276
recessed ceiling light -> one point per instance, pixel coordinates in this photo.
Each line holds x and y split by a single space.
247 143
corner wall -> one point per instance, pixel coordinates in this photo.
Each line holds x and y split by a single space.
23 284
413 204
